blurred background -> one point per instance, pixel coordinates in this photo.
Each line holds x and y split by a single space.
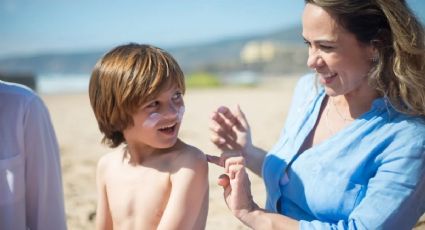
216 42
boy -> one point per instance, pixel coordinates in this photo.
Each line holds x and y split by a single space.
156 181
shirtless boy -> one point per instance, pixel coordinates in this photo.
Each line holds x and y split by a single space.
155 180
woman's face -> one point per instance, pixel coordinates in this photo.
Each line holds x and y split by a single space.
342 63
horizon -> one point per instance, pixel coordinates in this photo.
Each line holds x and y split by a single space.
166 47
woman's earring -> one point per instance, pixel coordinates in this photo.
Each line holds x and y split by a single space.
375 59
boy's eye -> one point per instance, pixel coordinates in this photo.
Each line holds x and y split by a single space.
177 96
153 104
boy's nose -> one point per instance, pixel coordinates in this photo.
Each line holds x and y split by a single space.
171 111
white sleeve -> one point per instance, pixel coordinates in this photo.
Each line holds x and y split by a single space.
44 193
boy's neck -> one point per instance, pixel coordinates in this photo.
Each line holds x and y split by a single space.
135 154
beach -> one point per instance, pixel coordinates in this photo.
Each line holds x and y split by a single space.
265 106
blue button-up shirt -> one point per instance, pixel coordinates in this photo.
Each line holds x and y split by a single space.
370 175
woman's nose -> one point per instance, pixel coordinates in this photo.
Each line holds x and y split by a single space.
314 60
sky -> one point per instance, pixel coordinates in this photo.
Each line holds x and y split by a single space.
29 27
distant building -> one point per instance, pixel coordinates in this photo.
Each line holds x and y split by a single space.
258 51
265 56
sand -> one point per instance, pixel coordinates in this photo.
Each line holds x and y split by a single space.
265 107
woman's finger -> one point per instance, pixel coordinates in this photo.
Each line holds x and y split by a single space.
217 140
225 134
223 180
231 160
241 118
227 117
234 169
222 120
226 113
224 143
222 129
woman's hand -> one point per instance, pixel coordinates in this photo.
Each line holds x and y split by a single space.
237 187
230 132
237 194
232 135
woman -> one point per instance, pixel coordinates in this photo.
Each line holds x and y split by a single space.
352 152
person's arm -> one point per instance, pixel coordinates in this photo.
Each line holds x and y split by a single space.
394 198
254 159
187 207
232 134
44 194
103 214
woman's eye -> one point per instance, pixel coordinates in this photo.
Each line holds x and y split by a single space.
325 47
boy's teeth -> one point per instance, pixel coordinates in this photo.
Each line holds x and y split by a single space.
166 127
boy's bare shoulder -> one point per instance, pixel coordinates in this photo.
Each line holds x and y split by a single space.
189 151
110 159
190 156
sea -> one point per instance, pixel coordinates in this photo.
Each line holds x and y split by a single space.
62 83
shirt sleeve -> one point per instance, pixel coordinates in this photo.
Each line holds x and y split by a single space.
44 194
395 196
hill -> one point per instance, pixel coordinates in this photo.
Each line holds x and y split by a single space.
218 56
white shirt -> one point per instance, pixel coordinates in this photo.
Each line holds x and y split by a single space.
31 195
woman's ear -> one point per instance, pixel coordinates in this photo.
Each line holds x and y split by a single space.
375 57
373 52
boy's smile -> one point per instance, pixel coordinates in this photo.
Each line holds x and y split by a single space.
170 129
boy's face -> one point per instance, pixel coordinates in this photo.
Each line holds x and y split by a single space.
157 122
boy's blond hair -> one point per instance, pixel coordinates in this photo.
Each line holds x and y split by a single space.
124 79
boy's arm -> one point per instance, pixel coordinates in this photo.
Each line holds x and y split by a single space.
187 207
103 215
